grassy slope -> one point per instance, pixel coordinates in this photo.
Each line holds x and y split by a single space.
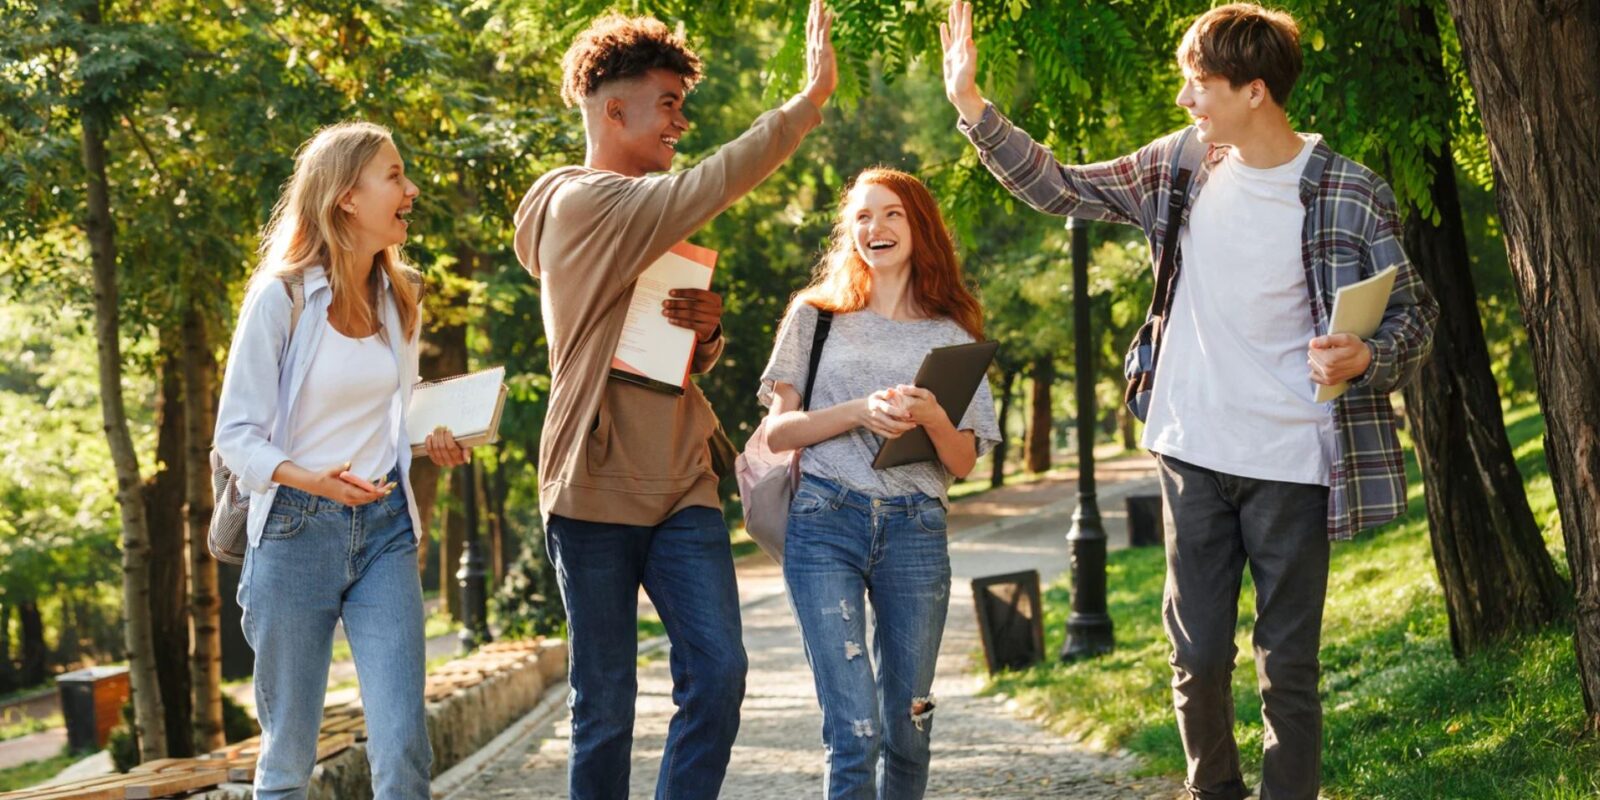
1403 718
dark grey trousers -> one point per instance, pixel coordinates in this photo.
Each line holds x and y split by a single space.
1216 524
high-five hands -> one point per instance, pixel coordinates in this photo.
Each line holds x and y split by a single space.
822 72
961 62
1337 358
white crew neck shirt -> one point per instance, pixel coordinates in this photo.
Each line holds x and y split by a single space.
348 406
1233 391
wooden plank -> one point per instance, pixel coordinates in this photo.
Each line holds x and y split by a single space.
333 745
157 765
105 787
164 785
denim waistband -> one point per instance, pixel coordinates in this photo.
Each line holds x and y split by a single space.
844 496
308 502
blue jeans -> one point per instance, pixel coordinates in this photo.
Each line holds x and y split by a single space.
320 561
841 545
686 566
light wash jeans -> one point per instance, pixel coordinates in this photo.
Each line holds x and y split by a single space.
320 561
686 566
841 545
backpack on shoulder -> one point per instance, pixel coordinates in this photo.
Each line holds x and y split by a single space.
228 536
767 480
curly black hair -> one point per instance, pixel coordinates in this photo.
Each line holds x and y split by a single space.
617 47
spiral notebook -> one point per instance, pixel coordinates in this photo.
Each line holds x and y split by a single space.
469 405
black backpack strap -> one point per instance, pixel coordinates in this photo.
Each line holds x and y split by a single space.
818 337
1186 159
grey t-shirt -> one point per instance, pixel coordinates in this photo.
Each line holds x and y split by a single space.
864 353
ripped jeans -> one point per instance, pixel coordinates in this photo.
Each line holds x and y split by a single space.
842 546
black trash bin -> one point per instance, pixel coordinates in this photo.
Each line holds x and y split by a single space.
1010 619
1144 520
91 704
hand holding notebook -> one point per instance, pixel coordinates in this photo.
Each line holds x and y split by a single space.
1358 310
468 405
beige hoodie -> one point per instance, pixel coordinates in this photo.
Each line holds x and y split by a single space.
613 451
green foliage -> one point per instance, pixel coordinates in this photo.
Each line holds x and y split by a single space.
1403 718
207 102
528 602
123 744
237 724
32 773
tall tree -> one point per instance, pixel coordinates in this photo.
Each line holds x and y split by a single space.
1535 69
1040 413
163 496
1497 577
95 111
205 652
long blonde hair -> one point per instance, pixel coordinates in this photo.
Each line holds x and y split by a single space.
305 229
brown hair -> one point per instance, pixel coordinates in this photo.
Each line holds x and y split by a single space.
1243 42
843 282
615 47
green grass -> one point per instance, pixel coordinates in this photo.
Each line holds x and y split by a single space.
24 775
1404 719
15 726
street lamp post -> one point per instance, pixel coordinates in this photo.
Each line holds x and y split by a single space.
1088 626
474 591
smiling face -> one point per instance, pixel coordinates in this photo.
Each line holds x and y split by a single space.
644 120
380 203
1219 111
879 227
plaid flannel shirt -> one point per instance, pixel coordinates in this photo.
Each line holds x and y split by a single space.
1351 232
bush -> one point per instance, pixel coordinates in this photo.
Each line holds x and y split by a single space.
122 743
237 724
529 600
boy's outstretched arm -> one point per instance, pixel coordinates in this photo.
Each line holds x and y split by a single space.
661 210
1111 191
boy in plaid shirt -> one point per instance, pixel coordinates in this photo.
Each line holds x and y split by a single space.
1253 470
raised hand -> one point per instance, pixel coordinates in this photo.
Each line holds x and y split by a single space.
822 71
961 62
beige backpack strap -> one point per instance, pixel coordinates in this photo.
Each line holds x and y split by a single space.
296 287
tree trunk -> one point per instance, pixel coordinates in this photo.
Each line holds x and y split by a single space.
205 606
499 488
491 529
1125 421
1535 69
35 653
169 612
149 724
452 541
997 467
8 670
1039 418
1497 576
446 355
68 648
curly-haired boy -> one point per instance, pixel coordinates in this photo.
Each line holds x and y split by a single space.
625 477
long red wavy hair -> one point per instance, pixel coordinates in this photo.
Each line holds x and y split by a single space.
843 282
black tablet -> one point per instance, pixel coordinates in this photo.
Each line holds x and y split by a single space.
952 374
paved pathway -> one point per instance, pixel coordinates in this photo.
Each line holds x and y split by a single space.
980 748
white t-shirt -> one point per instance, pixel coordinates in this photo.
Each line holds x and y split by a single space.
347 407
1233 391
